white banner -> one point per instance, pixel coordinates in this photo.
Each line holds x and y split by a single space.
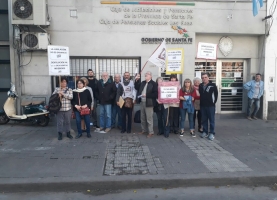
159 56
175 61
58 60
207 51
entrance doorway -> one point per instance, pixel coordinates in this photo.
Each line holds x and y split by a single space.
228 75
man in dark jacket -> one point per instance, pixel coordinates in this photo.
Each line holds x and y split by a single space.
93 84
106 92
208 97
147 95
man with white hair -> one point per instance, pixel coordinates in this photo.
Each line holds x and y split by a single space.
116 111
106 92
147 95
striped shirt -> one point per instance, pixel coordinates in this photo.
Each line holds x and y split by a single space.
66 98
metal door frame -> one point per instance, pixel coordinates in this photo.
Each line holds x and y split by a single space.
218 83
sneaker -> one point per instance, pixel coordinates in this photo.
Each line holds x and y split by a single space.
182 133
249 118
254 118
211 136
192 134
107 130
150 135
204 135
101 129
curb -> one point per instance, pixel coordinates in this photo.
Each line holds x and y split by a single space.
98 186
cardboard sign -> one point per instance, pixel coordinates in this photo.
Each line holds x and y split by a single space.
174 61
58 60
168 92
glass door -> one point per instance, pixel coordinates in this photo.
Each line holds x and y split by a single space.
231 86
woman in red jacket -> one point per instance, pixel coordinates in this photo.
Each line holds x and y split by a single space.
187 93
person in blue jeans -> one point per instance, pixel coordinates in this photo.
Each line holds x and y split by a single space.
186 106
106 91
81 99
208 98
116 111
255 91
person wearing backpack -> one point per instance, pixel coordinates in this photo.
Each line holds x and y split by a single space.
64 113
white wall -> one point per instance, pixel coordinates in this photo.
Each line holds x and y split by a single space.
270 62
86 36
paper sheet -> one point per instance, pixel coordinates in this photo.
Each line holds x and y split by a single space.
121 102
234 91
237 74
198 74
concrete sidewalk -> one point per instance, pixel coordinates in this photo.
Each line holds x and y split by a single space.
32 159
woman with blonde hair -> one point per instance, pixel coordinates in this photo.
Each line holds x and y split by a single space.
196 83
187 94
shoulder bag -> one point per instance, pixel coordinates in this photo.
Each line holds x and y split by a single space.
84 111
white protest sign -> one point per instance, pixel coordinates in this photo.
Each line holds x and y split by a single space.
207 51
175 61
58 60
169 92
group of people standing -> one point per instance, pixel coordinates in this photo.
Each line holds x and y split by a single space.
89 91
197 100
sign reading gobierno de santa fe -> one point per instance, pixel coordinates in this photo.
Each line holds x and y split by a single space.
58 60
174 61
207 51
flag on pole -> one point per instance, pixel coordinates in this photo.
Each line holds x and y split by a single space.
255 6
158 58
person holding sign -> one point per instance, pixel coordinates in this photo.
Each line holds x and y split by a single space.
187 95
174 111
64 114
147 95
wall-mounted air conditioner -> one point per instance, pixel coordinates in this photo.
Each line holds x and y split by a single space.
30 12
35 41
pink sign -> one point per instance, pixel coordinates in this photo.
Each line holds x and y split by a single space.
168 92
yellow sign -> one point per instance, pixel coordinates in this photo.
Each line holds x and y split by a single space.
174 61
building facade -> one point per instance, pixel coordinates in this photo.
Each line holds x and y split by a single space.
119 36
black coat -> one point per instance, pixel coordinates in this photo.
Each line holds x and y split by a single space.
93 84
85 98
208 97
151 92
106 92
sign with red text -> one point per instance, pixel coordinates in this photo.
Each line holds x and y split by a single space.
174 61
168 92
207 51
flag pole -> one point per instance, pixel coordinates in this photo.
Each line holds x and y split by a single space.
149 57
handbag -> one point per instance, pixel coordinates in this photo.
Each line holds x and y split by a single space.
84 111
128 102
197 104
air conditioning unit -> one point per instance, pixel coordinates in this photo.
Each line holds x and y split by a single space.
35 41
30 12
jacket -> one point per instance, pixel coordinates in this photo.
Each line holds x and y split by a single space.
106 92
250 86
208 96
85 98
93 84
151 92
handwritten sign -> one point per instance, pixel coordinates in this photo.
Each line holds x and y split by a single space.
58 60
175 61
207 51
168 92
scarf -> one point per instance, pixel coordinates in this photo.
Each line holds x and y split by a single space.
80 90
196 88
